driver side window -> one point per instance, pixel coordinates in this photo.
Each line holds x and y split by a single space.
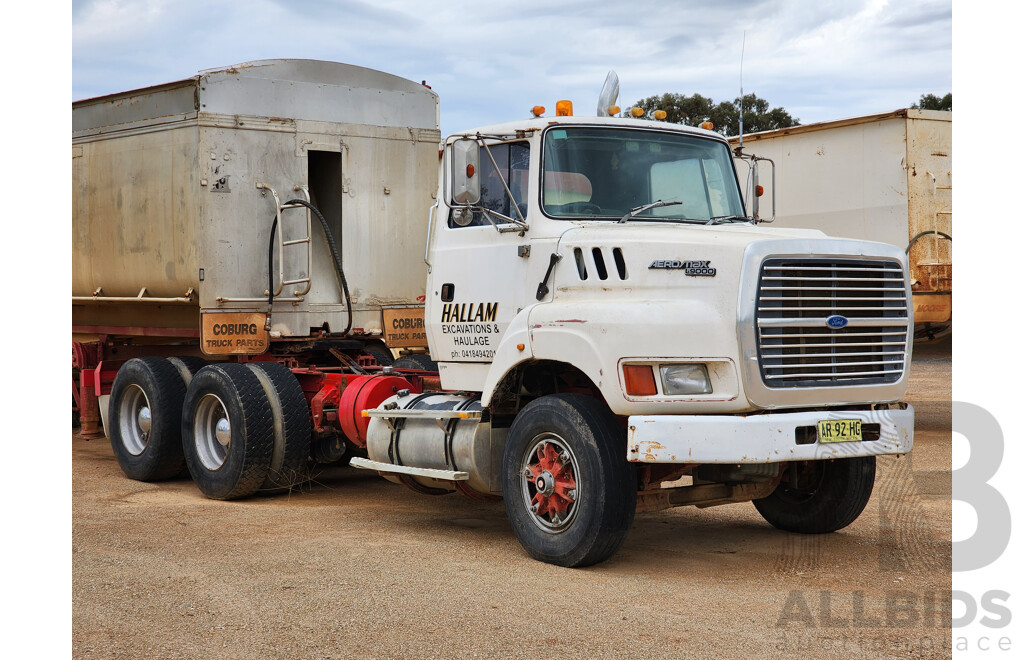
513 159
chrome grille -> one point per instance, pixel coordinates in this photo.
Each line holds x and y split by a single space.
795 345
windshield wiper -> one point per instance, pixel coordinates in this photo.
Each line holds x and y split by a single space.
727 218
646 207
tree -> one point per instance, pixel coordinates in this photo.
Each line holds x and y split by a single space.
932 102
758 115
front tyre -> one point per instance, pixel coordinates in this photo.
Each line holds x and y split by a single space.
145 411
817 497
569 493
227 431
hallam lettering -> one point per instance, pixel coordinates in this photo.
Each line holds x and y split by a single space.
469 312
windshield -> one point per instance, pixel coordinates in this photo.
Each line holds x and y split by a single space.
608 172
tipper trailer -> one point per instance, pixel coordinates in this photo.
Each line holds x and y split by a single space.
582 309
883 177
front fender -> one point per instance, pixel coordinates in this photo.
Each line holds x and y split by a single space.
595 336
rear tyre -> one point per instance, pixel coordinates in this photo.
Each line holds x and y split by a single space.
569 492
415 361
145 411
187 366
227 431
380 352
292 427
820 496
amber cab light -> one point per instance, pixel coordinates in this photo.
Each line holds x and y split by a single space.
538 110
563 109
639 380
637 112
660 114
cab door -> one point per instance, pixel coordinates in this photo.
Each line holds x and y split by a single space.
478 275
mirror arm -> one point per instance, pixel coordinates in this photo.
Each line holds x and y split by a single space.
519 227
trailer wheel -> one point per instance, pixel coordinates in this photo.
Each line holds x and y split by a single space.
227 431
821 496
187 366
569 493
145 411
415 361
289 464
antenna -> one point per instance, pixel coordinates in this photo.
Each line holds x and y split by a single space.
743 49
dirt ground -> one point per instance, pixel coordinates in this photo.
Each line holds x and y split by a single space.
357 567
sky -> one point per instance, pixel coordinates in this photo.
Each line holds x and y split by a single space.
492 62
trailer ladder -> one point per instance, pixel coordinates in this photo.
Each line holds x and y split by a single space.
283 281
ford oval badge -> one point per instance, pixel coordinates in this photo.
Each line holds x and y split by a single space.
836 321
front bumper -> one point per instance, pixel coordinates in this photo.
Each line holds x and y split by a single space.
768 438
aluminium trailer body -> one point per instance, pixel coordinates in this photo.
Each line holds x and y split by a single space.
174 191
885 177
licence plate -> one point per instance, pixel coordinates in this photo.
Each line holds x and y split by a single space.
839 430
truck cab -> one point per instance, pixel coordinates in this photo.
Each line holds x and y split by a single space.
613 260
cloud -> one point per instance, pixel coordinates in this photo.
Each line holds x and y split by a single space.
491 62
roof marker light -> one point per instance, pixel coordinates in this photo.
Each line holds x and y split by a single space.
538 110
660 114
637 112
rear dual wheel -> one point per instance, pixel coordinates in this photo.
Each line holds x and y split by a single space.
237 428
380 352
227 431
292 426
145 419
245 428
418 361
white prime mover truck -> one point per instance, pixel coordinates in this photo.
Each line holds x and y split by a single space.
582 310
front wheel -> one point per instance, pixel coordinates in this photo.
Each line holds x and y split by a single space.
817 497
569 493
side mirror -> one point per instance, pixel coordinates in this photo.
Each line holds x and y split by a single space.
465 171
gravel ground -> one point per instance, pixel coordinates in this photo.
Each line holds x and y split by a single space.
356 567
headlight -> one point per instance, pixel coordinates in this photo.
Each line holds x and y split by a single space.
685 379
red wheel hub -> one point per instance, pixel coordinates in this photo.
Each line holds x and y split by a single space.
554 481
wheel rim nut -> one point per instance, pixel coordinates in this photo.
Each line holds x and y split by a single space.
145 419
223 432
